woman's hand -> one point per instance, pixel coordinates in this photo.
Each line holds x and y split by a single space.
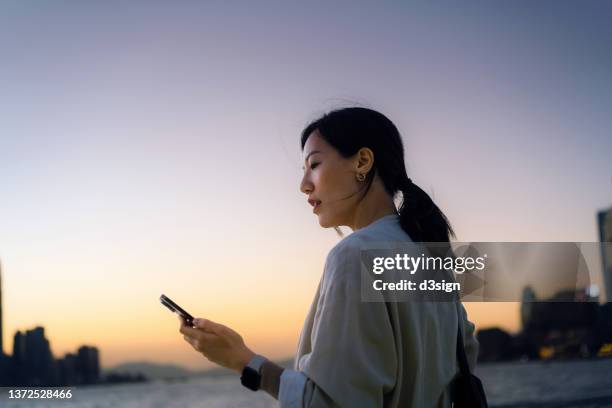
218 343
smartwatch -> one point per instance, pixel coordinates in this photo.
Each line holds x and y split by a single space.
251 374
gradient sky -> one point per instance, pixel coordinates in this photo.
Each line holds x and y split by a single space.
150 147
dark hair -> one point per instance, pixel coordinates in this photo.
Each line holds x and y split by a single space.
350 129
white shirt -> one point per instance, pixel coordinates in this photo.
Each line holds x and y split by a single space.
373 354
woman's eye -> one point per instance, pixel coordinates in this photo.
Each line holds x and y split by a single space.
313 166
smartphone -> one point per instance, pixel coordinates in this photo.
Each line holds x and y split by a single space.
166 301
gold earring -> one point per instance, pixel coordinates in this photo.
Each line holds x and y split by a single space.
360 176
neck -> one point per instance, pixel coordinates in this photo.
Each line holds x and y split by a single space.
376 204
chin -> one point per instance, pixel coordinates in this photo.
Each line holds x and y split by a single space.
326 222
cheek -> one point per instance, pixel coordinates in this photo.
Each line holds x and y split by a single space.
331 182
338 185
320 180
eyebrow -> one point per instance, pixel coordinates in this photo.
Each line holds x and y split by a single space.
311 153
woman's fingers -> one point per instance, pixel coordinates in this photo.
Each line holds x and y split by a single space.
190 331
209 326
200 340
182 321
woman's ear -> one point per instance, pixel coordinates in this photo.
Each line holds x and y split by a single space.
365 160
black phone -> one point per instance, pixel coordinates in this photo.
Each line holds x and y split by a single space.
166 301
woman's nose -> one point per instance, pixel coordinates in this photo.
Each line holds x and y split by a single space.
306 185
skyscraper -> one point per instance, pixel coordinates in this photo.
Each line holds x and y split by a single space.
604 219
5 361
39 360
89 364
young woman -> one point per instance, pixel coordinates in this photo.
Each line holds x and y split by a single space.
353 353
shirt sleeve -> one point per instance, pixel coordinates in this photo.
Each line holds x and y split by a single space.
353 361
291 390
298 391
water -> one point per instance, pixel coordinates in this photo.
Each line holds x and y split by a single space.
576 384
580 384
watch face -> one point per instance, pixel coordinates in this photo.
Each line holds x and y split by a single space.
250 378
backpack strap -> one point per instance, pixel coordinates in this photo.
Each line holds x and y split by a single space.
463 363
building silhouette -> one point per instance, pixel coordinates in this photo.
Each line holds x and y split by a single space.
32 363
604 220
88 364
5 360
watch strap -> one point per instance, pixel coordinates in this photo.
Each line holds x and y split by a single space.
256 362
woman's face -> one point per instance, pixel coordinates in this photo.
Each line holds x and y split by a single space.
329 181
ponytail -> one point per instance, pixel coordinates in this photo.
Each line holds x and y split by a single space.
420 217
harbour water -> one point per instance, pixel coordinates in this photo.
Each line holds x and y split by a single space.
559 384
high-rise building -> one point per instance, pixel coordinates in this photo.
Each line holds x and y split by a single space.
604 219
69 370
39 360
5 360
88 364
19 359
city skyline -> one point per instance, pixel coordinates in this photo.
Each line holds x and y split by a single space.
32 363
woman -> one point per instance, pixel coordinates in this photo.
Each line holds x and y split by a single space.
353 353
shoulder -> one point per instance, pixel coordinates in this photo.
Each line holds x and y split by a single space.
343 263
351 247
346 250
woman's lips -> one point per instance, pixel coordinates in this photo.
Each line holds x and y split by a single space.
315 204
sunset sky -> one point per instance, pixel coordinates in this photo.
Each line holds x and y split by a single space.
152 148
